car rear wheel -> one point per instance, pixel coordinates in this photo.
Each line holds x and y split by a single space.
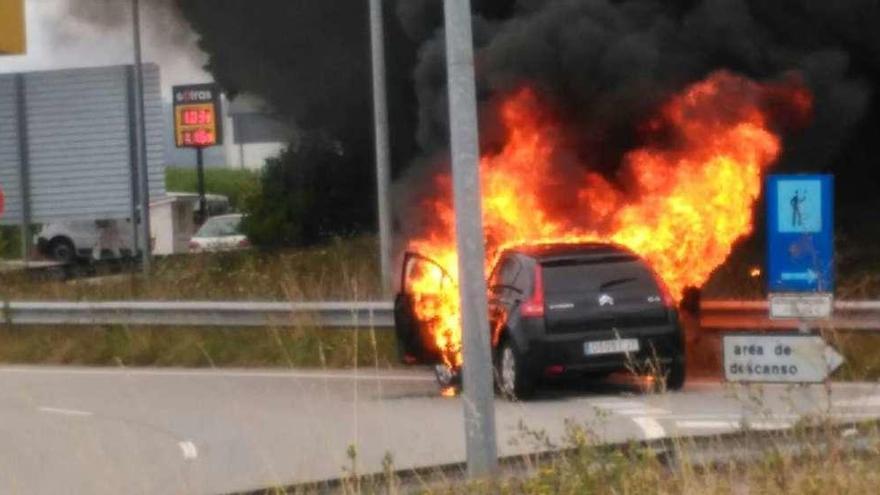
512 377
675 374
62 250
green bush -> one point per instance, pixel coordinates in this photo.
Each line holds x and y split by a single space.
311 193
10 242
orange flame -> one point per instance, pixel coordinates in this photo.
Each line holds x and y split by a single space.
688 197
448 392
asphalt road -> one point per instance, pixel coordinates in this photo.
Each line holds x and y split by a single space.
97 430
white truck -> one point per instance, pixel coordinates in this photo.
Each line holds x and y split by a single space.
72 240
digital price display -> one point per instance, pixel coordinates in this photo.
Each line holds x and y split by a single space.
197 117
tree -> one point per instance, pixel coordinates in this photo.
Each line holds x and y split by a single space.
312 191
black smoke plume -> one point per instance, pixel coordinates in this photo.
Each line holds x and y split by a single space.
603 64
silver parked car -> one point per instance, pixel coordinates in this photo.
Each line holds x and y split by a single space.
220 233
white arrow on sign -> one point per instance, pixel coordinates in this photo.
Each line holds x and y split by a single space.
809 276
778 358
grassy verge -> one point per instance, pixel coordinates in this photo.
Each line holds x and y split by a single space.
236 184
346 269
812 458
342 270
195 347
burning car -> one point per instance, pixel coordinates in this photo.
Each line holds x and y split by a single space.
554 309
556 211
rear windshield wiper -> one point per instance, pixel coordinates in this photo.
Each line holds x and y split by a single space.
598 260
617 281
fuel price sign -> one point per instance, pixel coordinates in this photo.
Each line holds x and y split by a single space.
197 116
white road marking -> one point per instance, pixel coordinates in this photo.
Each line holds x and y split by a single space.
849 432
706 424
617 404
642 411
189 450
629 408
864 415
64 412
868 401
720 424
650 427
213 373
770 425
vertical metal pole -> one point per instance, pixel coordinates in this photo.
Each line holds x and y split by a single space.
237 136
380 123
200 184
141 138
24 158
133 159
478 395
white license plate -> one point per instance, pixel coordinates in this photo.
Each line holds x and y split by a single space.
611 346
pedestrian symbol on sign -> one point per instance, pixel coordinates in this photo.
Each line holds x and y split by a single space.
799 206
797 218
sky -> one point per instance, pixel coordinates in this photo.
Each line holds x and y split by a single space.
57 40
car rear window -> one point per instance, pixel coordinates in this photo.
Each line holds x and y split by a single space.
597 274
220 227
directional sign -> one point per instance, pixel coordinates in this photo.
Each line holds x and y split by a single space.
778 358
800 233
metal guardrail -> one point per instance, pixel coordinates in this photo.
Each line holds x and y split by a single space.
714 315
208 313
755 315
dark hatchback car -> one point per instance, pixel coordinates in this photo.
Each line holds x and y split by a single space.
564 309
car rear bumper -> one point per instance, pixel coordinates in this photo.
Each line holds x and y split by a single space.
657 345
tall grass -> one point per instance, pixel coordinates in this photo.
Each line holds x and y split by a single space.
300 347
814 457
346 269
342 270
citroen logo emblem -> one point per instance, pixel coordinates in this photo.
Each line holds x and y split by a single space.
606 300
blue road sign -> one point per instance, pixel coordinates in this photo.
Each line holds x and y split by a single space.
800 233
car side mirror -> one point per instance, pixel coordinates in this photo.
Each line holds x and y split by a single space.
690 300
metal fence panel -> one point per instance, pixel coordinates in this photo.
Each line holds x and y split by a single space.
9 153
78 129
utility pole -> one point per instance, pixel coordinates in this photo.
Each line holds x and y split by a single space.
478 394
380 124
200 185
141 139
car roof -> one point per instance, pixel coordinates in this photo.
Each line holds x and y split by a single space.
563 250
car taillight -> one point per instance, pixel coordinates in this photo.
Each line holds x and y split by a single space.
193 245
534 306
665 294
244 243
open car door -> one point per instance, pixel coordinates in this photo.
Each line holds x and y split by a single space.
414 342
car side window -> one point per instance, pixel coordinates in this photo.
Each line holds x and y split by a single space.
510 271
523 280
505 275
426 273
495 276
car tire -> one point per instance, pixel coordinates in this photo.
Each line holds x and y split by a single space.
62 250
512 376
675 374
